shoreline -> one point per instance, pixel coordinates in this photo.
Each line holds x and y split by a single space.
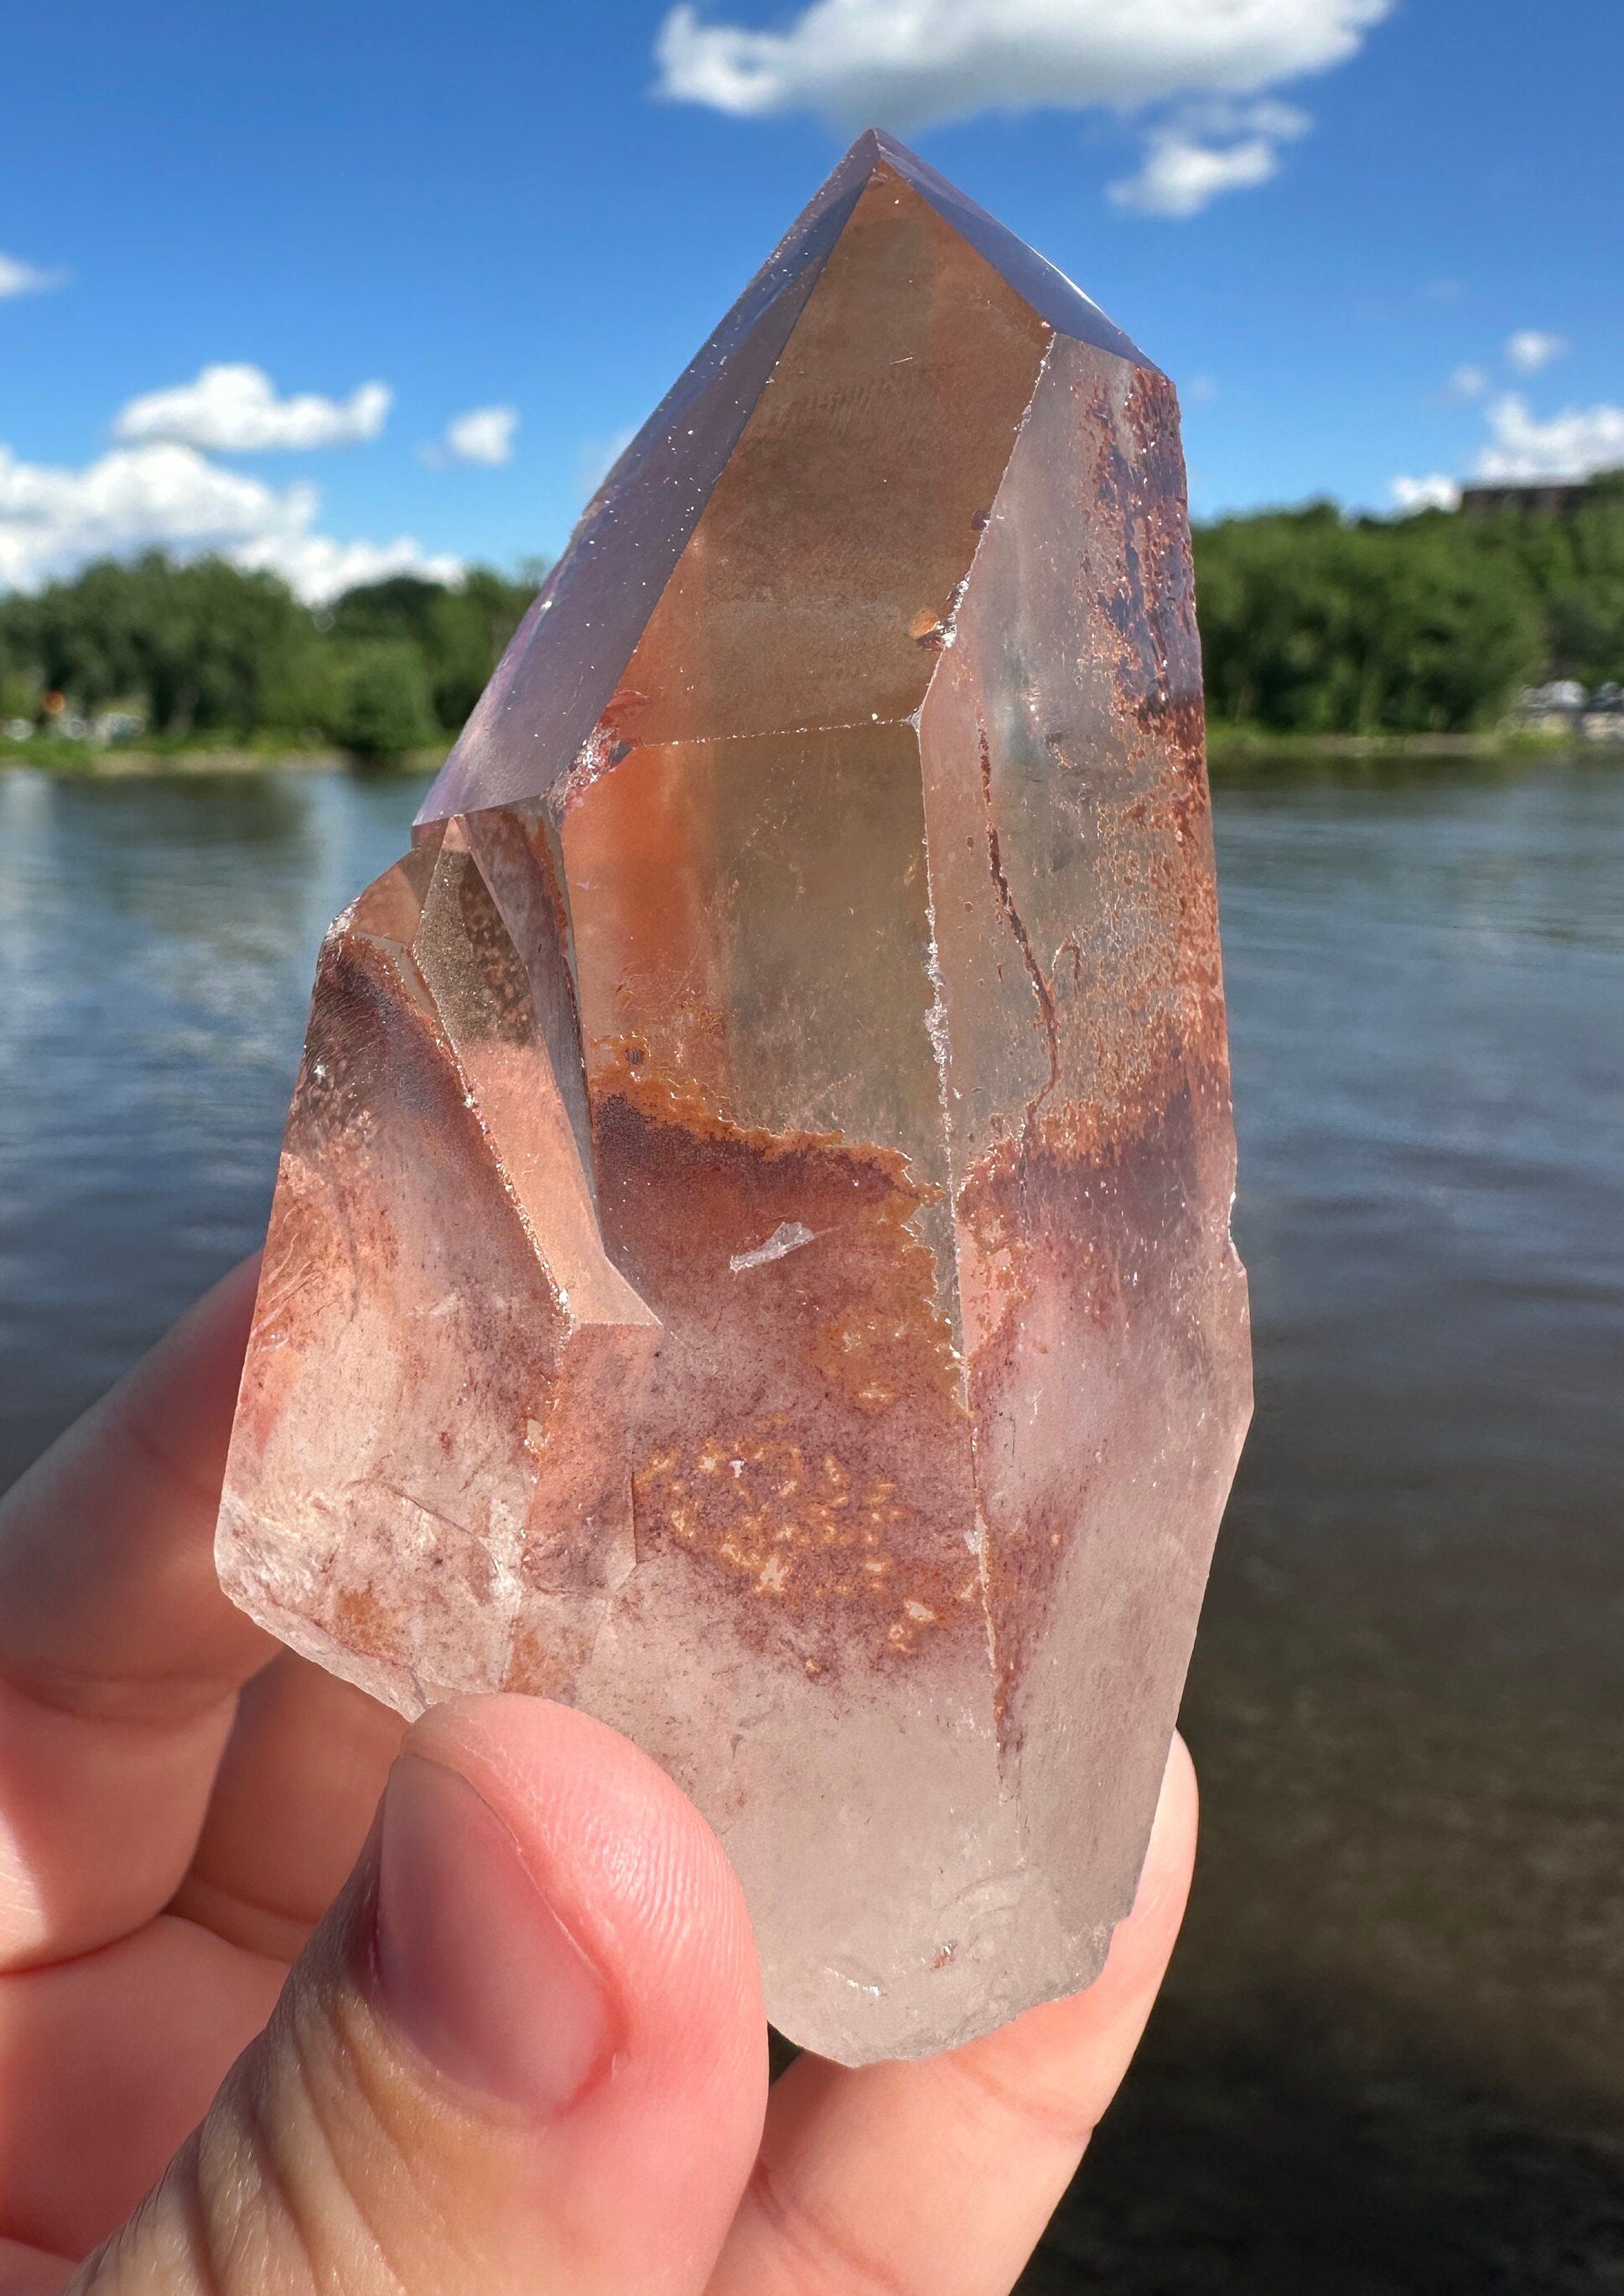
1226 745
1252 742
84 760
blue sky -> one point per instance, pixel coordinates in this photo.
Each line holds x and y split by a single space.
1328 219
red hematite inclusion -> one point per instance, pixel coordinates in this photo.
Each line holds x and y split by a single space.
751 1251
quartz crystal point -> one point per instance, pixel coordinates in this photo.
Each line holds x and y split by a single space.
751 1255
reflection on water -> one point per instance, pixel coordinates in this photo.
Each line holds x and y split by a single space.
156 944
1392 2054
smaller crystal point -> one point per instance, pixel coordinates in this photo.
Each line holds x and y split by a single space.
427 1482
751 1251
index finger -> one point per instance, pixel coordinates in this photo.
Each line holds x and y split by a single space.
119 1657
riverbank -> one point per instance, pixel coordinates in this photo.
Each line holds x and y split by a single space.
1244 748
122 761
1225 741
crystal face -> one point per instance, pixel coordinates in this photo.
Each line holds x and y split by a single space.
751 1255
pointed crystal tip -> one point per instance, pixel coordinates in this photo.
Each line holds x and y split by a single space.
546 705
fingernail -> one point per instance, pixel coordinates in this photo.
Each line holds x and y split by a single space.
474 1965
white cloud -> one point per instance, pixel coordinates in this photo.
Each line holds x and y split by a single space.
316 568
916 63
1434 493
1204 150
18 277
485 434
1568 445
167 495
1528 351
1179 176
235 410
1467 382
911 62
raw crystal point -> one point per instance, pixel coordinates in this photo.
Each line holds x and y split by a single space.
751 1249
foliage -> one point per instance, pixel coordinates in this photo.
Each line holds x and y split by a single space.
1577 565
202 646
459 635
379 705
1312 623
205 647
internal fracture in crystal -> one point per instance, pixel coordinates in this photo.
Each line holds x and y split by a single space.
751 1255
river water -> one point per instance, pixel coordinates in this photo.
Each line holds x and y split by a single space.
1392 2055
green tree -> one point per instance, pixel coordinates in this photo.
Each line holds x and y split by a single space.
204 646
1576 564
19 681
379 705
459 634
1314 623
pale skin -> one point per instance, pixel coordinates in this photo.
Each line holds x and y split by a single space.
515 2041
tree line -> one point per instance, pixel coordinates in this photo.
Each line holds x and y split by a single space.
1312 622
205 649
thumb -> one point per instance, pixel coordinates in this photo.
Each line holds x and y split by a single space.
525 2050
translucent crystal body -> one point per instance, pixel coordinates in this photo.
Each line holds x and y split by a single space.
751 1255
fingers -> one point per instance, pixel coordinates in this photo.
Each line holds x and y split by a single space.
937 2179
26 2271
119 1657
116 2055
292 1802
525 2051
107 1560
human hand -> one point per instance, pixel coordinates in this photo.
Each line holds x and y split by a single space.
519 2048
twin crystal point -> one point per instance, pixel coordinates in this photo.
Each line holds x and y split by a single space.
750 1254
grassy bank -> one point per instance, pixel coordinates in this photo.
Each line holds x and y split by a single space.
1226 741
1229 747
114 761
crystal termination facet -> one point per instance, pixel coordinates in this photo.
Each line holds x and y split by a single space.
751 1255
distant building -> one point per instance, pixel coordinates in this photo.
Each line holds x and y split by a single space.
1604 718
1558 708
1564 706
1551 497
117 725
1564 697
